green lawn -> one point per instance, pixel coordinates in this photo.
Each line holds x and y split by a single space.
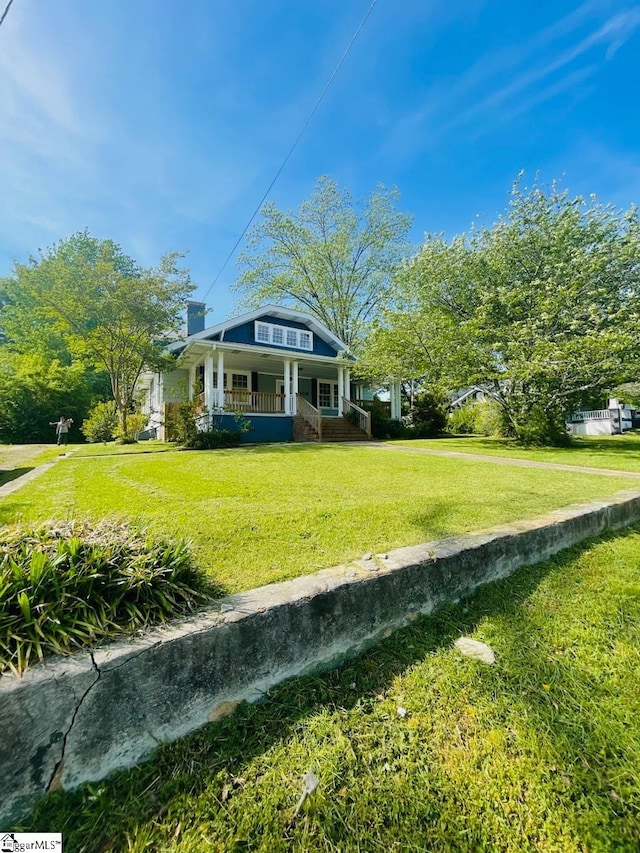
113 449
618 452
264 514
538 753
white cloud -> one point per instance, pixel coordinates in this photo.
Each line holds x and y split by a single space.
478 99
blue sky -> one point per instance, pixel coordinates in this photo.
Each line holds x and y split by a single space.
160 124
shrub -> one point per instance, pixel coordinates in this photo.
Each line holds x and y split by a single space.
65 585
181 423
382 426
101 423
136 422
542 426
428 416
213 438
483 417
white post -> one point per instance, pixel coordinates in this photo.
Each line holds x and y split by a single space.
220 379
287 387
294 399
208 381
340 388
192 381
347 384
396 409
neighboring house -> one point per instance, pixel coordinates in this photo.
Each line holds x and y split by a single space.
474 394
282 369
615 419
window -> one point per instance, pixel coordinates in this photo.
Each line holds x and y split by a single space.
327 395
269 333
240 380
324 395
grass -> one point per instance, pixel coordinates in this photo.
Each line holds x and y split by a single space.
111 448
265 514
618 452
538 753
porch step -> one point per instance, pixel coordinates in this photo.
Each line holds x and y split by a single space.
340 429
333 429
302 431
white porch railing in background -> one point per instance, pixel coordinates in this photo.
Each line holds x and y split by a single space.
362 418
310 414
595 415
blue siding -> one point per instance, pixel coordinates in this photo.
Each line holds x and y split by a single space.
245 334
263 427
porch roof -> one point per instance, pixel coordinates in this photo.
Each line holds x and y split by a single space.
262 359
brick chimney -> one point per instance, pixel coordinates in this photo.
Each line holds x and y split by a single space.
195 317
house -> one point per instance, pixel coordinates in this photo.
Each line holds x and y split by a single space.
464 396
282 369
614 420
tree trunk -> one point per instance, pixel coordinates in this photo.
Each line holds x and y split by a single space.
122 413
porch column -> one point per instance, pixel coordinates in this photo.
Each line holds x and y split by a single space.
340 388
208 381
294 397
220 400
347 384
192 381
396 407
287 387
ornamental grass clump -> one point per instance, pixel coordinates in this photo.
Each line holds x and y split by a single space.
67 585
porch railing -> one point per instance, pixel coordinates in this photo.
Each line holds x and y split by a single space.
594 415
254 401
310 414
361 418
238 400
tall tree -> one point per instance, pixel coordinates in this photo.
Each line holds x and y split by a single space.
543 307
111 314
334 258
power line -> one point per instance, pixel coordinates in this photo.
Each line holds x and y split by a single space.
4 14
293 147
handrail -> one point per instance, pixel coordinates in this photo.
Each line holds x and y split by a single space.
310 414
363 417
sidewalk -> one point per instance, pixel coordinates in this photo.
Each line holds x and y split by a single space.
18 456
502 460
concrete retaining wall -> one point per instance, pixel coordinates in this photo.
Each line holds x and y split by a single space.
77 719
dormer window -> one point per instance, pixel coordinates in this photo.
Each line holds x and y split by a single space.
283 336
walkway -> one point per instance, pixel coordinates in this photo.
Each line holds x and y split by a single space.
14 457
503 460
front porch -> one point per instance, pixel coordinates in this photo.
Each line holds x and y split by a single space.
269 422
277 398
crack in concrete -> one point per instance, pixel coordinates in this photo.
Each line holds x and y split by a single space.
54 781
129 657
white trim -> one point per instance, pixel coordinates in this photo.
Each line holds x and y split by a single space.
208 381
287 387
335 392
219 393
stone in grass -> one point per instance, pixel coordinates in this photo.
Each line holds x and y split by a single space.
475 649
